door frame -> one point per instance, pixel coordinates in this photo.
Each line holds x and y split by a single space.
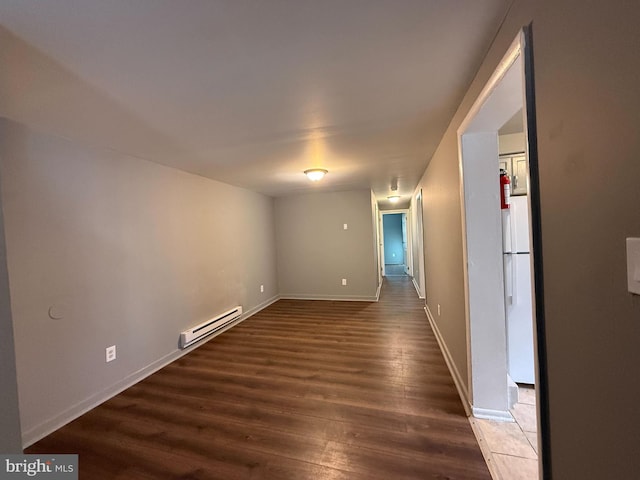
417 224
406 212
486 366
485 313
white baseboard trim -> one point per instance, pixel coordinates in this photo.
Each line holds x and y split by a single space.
262 306
415 285
497 415
463 392
336 298
47 427
378 290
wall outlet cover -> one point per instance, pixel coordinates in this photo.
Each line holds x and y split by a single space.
111 353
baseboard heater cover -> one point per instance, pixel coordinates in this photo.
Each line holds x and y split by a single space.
199 332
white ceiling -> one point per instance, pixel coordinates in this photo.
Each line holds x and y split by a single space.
253 92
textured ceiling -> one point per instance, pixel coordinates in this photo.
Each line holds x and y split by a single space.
250 92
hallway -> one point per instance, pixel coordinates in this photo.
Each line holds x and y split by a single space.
394 270
301 390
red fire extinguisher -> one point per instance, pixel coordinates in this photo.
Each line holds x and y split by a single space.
505 190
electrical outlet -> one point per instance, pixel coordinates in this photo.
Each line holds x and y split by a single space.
344 282
111 353
345 226
261 288
438 309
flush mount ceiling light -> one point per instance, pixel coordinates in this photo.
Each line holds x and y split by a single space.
315 174
394 197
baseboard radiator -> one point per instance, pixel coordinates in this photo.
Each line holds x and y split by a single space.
199 332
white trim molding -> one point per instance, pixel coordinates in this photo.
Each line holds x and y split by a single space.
335 298
484 366
31 436
497 415
463 392
417 287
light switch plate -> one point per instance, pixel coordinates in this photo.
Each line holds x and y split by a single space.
633 265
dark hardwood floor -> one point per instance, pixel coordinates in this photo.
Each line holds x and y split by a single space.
302 390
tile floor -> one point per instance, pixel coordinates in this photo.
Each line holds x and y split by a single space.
511 448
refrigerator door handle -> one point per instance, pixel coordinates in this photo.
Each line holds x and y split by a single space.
507 237
514 281
508 278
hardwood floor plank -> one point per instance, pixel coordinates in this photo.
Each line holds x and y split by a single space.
301 390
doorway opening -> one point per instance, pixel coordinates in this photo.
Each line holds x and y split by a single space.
502 280
395 242
417 251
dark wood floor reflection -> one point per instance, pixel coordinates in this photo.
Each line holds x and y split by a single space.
302 390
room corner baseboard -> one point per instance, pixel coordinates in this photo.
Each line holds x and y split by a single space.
31 436
262 306
415 285
378 290
335 298
457 378
497 415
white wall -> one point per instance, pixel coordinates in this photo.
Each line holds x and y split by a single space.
127 253
484 267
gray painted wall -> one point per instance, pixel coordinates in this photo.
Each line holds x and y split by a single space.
314 251
10 433
127 253
588 107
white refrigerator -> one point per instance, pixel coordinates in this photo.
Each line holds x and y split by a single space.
517 286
